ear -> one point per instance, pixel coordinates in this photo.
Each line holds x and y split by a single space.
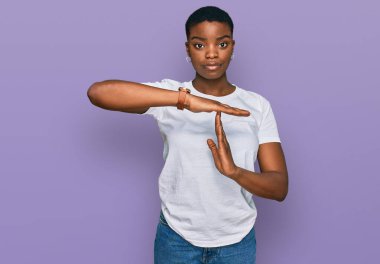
187 48
233 45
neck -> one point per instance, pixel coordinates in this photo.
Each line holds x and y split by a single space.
215 87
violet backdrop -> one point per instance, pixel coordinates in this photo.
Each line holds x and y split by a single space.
78 184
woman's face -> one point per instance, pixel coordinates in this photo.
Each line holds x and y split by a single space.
210 46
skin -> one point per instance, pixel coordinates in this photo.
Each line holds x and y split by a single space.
212 42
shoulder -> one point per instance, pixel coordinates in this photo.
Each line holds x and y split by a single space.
171 82
166 84
252 98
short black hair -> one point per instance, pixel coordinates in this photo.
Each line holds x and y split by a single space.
208 13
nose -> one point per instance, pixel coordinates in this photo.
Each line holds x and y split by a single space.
212 52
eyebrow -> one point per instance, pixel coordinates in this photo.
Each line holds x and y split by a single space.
218 38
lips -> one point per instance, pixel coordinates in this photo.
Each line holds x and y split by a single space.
212 66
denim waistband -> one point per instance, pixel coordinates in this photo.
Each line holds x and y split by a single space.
162 218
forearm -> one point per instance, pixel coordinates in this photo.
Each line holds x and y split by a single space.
126 96
271 185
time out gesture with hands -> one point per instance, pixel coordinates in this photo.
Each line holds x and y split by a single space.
133 97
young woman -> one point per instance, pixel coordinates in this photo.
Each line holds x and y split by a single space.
206 185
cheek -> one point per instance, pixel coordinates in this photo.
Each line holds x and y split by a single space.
197 55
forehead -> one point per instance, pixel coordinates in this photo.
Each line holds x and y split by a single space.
210 30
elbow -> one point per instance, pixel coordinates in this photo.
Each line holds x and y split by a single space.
281 198
281 195
282 187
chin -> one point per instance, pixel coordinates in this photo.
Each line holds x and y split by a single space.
212 76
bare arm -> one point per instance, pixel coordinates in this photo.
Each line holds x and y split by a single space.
272 182
130 97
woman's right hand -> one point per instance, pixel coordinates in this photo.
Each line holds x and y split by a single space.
200 104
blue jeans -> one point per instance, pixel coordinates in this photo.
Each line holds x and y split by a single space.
170 248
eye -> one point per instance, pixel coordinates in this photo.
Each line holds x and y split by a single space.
198 46
223 44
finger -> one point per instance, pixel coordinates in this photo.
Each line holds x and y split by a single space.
222 139
218 129
214 150
233 110
225 141
242 112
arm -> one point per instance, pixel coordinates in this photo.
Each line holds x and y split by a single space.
271 183
132 97
129 97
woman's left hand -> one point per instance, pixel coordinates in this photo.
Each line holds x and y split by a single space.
222 154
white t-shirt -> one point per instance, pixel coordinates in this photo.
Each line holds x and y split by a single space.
199 203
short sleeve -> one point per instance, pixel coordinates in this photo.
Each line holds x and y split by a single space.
268 131
168 84
154 111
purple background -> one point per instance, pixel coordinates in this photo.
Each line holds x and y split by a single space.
79 184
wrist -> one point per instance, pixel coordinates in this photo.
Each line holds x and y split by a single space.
235 175
183 98
187 101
